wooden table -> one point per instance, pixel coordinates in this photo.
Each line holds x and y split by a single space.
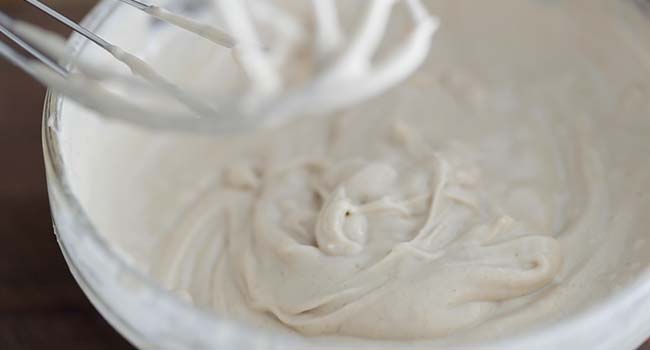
41 306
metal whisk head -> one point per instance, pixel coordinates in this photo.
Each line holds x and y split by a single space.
343 73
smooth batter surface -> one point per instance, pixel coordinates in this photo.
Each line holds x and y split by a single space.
500 189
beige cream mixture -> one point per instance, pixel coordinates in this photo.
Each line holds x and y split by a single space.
503 187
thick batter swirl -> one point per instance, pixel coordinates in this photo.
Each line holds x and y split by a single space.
405 246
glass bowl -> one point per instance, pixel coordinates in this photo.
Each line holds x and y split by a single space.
152 318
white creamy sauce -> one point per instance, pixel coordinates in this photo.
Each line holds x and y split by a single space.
503 187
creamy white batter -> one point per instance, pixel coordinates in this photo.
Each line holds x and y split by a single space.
502 188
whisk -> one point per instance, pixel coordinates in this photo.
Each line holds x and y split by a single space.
344 72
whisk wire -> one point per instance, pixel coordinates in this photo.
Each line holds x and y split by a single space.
346 70
137 4
6 24
14 57
71 24
137 66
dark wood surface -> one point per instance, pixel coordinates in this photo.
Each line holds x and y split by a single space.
41 306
